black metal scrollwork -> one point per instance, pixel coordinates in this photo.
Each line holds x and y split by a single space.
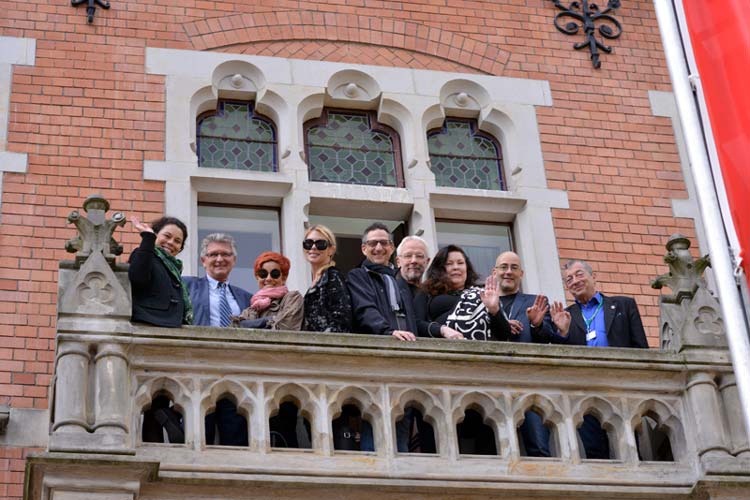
589 17
90 7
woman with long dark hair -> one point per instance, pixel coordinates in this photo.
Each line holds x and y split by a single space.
451 306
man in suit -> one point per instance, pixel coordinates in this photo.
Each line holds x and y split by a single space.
595 320
214 301
525 313
214 298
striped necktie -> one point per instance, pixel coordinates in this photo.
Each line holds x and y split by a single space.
224 311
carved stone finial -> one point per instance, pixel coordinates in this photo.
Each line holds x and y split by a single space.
685 274
95 231
690 317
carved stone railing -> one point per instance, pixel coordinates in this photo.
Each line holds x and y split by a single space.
108 372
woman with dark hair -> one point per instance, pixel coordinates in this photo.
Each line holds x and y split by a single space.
327 304
273 306
450 306
159 297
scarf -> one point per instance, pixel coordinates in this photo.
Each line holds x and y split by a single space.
388 274
261 300
174 266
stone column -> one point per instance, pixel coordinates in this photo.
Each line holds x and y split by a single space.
71 388
708 420
112 401
733 411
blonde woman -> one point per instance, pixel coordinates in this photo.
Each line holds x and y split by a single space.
327 304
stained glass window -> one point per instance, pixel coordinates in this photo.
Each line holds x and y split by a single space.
462 156
237 138
351 147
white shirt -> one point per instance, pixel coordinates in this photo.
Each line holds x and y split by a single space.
214 296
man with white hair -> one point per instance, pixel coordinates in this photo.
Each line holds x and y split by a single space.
214 301
214 298
412 259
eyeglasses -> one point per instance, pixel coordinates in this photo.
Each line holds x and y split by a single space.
216 255
415 256
505 267
375 243
319 244
275 274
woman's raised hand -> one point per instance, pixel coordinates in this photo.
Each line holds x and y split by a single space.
491 295
139 226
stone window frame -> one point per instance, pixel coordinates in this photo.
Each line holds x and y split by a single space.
475 131
431 408
178 393
609 419
13 52
365 399
668 420
375 126
283 392
552 416
253 114
291 91
243 398
493 414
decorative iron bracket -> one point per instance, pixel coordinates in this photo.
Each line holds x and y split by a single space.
91 7
586 15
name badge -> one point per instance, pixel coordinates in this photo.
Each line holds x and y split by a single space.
591 335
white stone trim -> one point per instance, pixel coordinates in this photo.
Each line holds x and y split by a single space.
13 51
663 104
292 91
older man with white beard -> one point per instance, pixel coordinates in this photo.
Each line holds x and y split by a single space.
412 259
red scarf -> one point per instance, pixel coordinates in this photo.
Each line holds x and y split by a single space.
262 299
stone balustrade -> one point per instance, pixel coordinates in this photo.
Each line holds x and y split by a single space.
108 372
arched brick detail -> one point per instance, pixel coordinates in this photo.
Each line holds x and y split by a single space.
241 29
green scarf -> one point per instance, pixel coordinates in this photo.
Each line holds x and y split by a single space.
174 266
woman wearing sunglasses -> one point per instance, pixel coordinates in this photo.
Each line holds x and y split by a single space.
273 306
327 304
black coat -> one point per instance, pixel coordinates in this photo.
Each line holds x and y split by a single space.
622 322
371 311
157 295
327 304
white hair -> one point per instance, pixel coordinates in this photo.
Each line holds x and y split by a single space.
408 239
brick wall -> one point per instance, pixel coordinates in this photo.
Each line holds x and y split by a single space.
88 116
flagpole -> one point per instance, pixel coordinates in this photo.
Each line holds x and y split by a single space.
721 260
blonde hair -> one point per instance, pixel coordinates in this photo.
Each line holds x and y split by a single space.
331 238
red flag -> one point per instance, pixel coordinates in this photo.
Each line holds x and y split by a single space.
721 45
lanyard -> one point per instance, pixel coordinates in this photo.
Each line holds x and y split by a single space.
509 314
590 320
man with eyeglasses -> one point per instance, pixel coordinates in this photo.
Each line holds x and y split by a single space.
524 312
412 260
214 301
380 304
595 320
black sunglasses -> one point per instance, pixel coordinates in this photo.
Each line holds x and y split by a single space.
319 244
275 274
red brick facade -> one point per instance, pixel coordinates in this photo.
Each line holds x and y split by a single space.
88 115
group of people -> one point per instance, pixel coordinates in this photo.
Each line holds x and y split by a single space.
419 296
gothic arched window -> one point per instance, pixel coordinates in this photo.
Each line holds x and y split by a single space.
235 137
462 156
351 147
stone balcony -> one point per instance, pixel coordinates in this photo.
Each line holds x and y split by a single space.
108 372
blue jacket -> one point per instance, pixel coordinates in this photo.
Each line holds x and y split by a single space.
198 289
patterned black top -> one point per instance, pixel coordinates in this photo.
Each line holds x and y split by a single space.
327 304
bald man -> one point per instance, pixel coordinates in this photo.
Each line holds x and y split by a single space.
524 313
